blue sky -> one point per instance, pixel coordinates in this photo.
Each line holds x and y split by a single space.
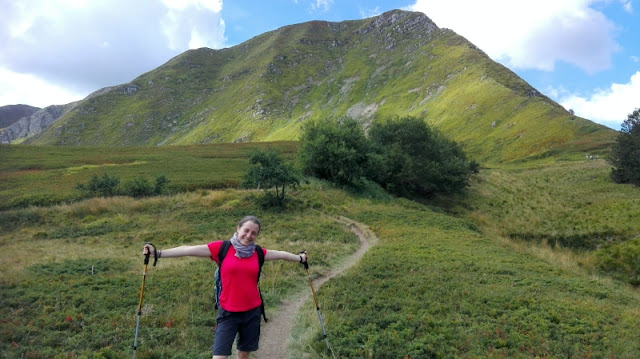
584 54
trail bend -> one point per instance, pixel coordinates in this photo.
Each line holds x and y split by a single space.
277 331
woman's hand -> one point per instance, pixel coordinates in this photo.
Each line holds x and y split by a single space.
149 250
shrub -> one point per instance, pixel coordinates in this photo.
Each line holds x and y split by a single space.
334 150
104 186
161 185
138 187
413 159
107 186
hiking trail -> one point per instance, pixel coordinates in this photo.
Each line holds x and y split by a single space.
276 332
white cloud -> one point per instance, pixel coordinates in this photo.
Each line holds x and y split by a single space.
180 5
533 34
370 12
609 107
82 45
193 24
30 90
635 59
321 4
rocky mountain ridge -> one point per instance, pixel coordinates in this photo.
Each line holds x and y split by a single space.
12 113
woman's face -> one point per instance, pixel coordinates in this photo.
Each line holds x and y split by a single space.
247 233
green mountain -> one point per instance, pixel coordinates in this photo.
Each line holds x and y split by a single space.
396 64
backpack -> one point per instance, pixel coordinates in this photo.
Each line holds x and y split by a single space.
217 287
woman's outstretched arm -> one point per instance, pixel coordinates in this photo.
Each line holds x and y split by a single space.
273 255
201 250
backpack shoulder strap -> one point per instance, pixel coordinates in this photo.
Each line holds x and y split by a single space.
224 248
260 253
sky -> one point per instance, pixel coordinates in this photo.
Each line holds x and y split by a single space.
584 54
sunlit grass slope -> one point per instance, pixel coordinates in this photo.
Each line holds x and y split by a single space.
71 274
437 287
433 286
397 64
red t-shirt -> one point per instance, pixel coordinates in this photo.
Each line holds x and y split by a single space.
239 279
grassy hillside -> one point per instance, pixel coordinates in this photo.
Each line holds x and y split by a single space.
438 287
397 64
435 285
467 277
44 175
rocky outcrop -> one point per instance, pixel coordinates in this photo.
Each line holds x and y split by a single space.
12 113
35 123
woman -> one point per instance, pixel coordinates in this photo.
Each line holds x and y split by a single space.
240 302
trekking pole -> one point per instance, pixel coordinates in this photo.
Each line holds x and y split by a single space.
315 300
144 276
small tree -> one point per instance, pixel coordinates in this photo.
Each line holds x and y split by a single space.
337 151
625 155
270 172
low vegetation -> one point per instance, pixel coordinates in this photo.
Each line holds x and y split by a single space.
109 186
41 175
534 260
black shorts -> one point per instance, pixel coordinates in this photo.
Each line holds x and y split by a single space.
245 324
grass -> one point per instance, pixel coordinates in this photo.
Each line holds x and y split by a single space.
71 280
571 204
448 278
34 175
465 295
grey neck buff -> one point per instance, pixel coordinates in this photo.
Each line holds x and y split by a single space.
242 251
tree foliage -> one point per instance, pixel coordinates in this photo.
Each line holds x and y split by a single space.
334 150
625 155
270 172
141 187
405 156
105 186
415 159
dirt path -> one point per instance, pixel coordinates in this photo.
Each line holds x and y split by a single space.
275 333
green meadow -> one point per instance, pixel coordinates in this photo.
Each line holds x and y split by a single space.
534 260
45 175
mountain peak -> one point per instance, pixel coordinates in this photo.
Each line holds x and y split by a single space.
396 64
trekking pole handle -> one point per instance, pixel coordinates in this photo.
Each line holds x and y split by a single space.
306 262
155 255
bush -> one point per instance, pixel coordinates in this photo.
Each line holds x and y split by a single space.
336 151
138 187
413 159
104 186
161 185
107 186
